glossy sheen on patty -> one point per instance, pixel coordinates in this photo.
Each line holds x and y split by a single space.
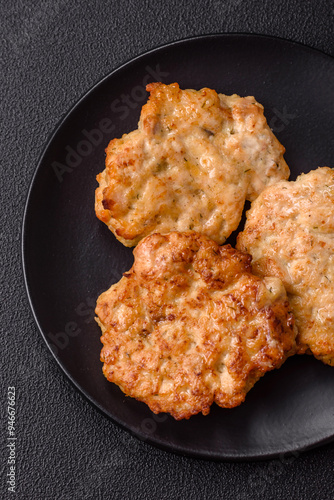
290 234
191 164
189 325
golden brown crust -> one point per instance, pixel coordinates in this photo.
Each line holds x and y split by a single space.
290 234
195 158
189 325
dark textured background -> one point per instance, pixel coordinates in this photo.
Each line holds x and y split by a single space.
52 52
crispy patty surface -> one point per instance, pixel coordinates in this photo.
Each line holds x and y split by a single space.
190 325
290 234
191 164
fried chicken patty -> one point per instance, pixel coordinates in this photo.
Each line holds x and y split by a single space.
290 234
191 164
189 325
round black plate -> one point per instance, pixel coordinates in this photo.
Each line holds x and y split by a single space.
70 256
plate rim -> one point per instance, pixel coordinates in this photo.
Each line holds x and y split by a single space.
171 448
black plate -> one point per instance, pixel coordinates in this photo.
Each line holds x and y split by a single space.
70 257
